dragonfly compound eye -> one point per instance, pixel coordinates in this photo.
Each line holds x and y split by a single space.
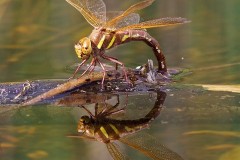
83 48
86 46
83 124
85 119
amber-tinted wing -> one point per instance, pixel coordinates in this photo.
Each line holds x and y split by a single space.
94 11
157 23
115 151
138 6
149 146
130 19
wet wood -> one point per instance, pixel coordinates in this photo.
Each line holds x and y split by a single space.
71 84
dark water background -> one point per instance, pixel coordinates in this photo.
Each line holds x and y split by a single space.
36 42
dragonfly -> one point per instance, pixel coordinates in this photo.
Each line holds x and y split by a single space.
102 127
112 29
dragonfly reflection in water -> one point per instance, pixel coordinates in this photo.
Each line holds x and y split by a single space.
102 127
115 28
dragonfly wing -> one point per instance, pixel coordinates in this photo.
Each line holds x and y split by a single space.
150 147
94 11
132 18
157 23
138 6
115 152
98 8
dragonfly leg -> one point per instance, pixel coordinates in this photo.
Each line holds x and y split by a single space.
114 60
89 112
104 72
111 109
103 111
116 66
96 109
79 66
90 65
94 65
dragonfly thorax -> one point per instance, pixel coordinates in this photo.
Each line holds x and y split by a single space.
83 48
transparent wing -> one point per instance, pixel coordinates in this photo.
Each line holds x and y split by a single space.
132 18
156 23
149 146
115 152
98 8
94 11
138 6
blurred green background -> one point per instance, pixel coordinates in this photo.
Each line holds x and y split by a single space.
37 38
36 42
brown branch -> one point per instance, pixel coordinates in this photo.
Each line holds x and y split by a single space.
96 76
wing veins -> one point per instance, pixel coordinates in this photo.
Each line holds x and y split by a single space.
93 20
114 152
149 146
131 9
156 23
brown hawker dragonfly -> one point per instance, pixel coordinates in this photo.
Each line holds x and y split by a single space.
115 28
103 127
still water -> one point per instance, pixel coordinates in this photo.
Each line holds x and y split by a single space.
36 42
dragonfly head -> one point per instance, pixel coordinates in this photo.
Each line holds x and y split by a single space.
86 126
83 48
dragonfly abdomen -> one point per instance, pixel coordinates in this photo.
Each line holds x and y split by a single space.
142 35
